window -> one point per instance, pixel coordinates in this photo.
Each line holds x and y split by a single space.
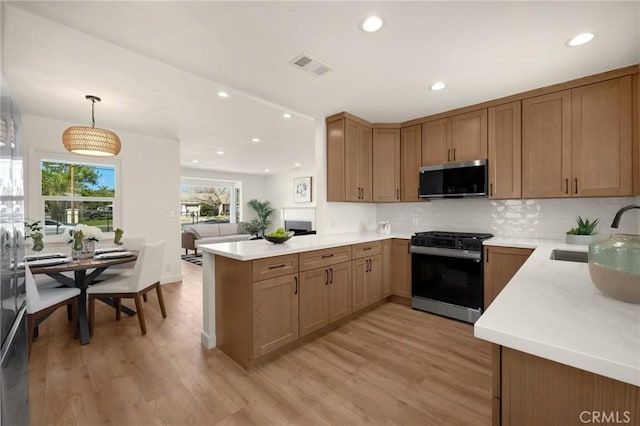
209 201
74 192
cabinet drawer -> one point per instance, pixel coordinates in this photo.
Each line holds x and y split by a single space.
366 249
320 258
272 267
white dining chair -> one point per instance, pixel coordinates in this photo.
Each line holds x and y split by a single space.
41 302
123 269
145 277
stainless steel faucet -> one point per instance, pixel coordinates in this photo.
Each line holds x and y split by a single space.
616 220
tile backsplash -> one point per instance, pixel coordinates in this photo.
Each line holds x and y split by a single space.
541 218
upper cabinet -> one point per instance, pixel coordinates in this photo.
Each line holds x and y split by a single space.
577 143
462 137
504 149
386 165
349 160
410 162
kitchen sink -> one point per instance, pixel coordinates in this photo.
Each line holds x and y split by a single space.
570 256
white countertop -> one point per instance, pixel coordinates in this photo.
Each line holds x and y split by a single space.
551 309
259 249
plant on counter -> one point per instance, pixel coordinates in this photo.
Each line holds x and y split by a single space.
263 210
585 227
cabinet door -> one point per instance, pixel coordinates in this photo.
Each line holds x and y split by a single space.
313 300
504 151
469 136
546 145
501 264
360 268
365 162
410 162
335 160
386 165
436 140
353 161
275 313
387 268
339 291
373 281
601 153
401 283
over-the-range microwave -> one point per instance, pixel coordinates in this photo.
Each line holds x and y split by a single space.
454 180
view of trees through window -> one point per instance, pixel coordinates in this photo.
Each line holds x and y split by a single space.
75 193
214 203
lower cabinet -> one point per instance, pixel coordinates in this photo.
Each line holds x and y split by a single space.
324 296
275 313
367 281
401 258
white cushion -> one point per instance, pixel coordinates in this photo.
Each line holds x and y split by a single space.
51 296
204 230
228 229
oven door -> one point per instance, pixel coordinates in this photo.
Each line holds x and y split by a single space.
448 277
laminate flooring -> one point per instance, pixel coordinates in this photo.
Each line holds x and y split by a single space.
391 366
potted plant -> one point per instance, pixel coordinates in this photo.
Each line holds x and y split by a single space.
35 232
584 233
263 210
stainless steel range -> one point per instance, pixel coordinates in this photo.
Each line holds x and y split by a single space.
447 274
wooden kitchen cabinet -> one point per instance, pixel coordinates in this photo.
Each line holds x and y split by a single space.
340 294
577 142
387 268
349 160
501 264
462 137
401 255
275 313
313 300
367 274
505 151
386 165
410 162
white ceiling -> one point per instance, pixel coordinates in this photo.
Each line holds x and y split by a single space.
158 65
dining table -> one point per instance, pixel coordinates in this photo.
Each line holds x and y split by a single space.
82 278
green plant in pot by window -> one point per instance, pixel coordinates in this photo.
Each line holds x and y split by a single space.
263 210
36 235
583 233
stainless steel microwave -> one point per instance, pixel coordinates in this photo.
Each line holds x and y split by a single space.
454 180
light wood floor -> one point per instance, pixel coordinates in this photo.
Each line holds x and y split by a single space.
392 366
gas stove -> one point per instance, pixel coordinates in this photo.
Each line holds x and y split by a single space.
452 240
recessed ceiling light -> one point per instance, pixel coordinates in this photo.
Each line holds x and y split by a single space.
580 39
286 115
223 94
296 165
438 85
220 152
266 170
371 24
194 161
256 140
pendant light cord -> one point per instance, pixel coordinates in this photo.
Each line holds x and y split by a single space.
93 113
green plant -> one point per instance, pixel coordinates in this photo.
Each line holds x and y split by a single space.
263 210
585 227
36 235
33 227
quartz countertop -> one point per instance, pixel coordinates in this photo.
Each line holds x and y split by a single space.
551 309
259 249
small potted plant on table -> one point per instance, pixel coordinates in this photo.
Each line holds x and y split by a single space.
584 233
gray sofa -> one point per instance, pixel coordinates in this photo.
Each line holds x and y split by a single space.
210 233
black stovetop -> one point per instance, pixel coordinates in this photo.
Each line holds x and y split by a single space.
453 240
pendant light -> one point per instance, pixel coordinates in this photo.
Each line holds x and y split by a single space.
91 140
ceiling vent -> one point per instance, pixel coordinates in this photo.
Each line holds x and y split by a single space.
311 65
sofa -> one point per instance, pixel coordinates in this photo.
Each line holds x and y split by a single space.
210 233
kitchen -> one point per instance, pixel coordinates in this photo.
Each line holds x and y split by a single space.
542 218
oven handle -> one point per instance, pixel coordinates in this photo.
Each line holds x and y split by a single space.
445 252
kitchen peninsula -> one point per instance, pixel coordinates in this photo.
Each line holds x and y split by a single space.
259 296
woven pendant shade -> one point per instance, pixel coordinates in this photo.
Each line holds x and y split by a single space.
91 141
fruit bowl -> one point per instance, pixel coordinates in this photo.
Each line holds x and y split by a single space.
279 239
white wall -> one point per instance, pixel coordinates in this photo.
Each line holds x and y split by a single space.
253 186
149 184
279 190
549 219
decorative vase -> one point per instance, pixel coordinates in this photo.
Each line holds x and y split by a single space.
614 266
83 248
38 244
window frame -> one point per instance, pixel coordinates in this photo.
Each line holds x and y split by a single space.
236 185
40 156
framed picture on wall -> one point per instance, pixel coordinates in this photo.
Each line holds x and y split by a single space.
302 190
